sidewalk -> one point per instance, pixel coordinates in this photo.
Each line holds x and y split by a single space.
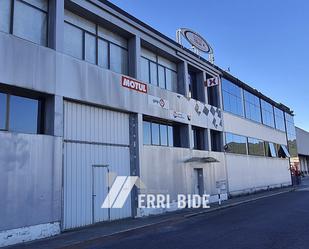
124 227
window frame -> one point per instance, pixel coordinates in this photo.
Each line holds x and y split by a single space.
169 129
13 15
98 38
240 136
252 104
267 112
40 113
243 115
157 72
260 141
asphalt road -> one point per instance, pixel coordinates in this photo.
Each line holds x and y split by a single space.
279 222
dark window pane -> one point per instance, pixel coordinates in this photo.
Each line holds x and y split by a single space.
90 48
155 134
285 150
73 41
23 115
198 138
146 132
270 149
30 23
216 140
163 135
2 110
5 15
103 54
170 136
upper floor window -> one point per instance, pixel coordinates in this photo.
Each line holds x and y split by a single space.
268 114
199 138
236 144
158 71
216 138
196 84
87 41
279 119
291 134
26 19
20 114
252 107
232 98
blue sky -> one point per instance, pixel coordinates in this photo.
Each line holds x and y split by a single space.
265 43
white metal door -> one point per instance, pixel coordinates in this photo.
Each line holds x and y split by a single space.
198 182
92 136
99 193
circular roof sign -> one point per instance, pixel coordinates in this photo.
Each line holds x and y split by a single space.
196 40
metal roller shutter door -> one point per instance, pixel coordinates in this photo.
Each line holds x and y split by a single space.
92 136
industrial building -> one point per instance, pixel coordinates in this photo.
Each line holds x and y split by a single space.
302 138
87 89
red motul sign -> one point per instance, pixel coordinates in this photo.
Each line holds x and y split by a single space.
133 84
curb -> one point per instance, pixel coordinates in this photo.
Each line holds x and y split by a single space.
178 217
238 203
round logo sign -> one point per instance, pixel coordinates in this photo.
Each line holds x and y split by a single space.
196 40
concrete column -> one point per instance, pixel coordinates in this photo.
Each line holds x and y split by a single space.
191 139
136 143
54 116
59 115
205 88
55 24
134 57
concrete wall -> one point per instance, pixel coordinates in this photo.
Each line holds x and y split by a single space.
245 127
30 185
30 179
30 66
164 170
250 173
302 139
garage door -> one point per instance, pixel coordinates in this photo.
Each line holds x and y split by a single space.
96 141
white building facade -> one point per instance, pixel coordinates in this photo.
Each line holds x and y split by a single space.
86 90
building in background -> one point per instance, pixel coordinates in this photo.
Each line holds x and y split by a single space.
302 138
87 89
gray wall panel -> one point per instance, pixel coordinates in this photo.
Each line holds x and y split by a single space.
30 180
302 137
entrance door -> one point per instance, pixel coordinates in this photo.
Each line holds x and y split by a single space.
198 181
99 193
